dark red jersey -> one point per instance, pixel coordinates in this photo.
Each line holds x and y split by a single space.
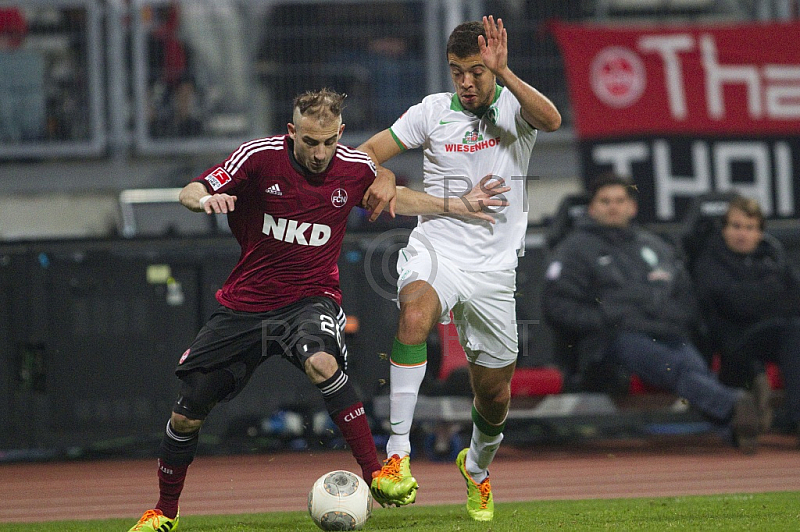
289 222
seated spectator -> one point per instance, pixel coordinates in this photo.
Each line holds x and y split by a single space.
750 294
623 295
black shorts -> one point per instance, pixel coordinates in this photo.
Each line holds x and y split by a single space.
239 341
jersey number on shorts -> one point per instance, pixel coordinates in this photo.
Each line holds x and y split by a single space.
328 325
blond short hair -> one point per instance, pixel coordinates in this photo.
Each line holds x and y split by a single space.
324 104
748 206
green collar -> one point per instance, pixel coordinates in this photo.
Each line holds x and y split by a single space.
455 103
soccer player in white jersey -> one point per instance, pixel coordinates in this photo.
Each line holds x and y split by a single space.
484 132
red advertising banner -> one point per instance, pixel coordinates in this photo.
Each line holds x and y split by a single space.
722 79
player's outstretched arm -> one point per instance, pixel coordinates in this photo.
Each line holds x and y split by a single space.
381 147
195 197
480 202
537 109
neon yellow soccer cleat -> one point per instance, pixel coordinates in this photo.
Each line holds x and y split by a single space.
155 521
480 504
393 485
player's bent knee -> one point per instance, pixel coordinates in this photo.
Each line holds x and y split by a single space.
183 424
320 366
498 393
495 400
414 328
491 382
199 393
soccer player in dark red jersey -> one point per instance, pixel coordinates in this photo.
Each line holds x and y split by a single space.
287 199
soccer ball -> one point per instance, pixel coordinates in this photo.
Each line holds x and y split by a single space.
340 500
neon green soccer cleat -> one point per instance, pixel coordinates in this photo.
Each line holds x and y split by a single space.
480 504
393 485
155 521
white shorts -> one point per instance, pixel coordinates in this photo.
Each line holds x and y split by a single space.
482 303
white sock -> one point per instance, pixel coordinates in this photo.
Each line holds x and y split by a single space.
482 449
404 385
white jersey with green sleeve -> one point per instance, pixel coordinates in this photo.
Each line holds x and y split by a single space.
459 149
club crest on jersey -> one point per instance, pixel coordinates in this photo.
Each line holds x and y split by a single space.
492 114
339 197
472 137
218 178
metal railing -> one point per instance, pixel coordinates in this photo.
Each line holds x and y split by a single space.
52 79
96 78
208 75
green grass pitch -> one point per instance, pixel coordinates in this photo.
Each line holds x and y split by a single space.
778 512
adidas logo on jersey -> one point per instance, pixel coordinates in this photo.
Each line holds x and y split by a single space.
274 189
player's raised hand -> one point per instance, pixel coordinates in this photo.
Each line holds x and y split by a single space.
494 47
483 199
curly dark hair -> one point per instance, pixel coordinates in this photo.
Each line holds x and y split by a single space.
463 41
324 103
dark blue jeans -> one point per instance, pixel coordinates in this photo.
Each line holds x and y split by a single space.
678 367
775 340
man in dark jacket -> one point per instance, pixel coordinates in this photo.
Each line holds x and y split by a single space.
623 295
750 295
